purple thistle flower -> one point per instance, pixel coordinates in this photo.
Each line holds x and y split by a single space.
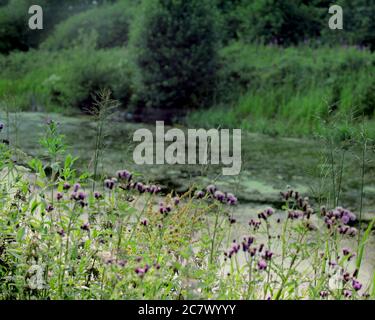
262 265
59 196
346 276
154 189
122 263
345 219
140 187
97 195
211 189
162 210
124 175
252 251
246 243
109 183
352 232
284 195
231 199
356 285
347 294
176 201
219 196
142 271
199 194
343 229
76 187
82 196
66 186
74 196
295 214
232 220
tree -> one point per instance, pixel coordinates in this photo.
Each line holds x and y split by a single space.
175 47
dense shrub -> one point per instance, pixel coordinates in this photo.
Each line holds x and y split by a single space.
283 22
14 31
67 78
110 24
174 47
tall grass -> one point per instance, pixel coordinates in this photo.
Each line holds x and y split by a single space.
289 91
128 241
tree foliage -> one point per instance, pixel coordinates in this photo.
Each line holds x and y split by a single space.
174 45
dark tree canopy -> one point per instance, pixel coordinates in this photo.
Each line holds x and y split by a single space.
175 45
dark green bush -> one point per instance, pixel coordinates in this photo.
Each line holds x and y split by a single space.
175 47
14 31
65 79
282 22
110 23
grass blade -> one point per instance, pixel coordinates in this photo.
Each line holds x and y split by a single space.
362 245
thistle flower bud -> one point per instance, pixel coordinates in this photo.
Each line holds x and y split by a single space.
176 201
76 187
268 255
85 227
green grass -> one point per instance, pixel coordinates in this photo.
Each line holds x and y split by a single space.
63 81
291 91
60 240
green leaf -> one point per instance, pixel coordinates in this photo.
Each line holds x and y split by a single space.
34 205
362 246
20 234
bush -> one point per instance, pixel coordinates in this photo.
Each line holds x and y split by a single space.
174 46
66 79
110 23
14 31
